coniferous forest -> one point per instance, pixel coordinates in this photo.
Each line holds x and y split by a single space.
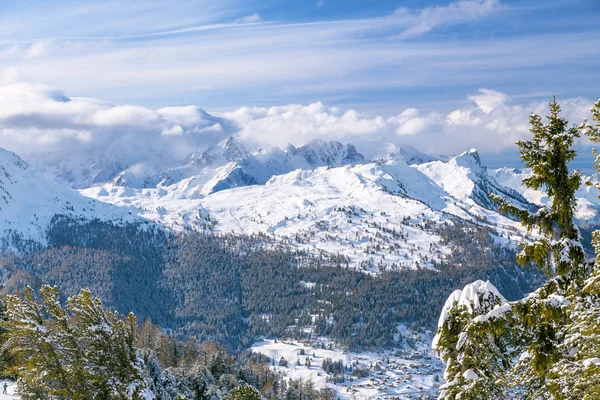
221 287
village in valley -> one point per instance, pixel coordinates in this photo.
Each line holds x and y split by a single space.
409 372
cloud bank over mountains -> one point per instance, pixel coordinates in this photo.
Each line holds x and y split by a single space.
36 118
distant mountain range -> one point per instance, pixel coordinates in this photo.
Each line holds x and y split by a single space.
322 195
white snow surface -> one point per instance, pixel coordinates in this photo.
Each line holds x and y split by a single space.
471 296
28 201
322 196
455 176
591 361
10 391
470 375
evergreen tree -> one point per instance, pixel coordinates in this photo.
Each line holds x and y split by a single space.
79 352
577 375
108 347
593 132
38 348
244 393
548 154
541 316
474 352
539 331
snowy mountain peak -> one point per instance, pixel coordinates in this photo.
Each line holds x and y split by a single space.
317 152
411 156
465 177
469 159
8 159
227 151
229 164
11 167
233 150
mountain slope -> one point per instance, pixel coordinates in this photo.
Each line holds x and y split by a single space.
464 177
412 156
28 202
320 196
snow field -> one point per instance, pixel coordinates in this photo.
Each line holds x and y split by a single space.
10 391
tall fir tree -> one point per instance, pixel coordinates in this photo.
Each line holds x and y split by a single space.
535 337
577 375
558 249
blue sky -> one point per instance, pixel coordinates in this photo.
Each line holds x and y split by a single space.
378 57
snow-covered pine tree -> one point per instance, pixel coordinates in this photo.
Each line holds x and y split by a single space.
200 381
244 393
534 330
162 384
577 375
35 344
541 317
558 249
77 353
475 354
593 132
108 347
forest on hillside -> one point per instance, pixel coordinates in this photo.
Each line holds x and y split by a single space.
234 289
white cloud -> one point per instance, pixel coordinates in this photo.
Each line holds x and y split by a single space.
409 122
249 19
487 99
455 13
9 75
175 130
39 48
491 124
36 118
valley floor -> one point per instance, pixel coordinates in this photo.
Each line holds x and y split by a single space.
407 373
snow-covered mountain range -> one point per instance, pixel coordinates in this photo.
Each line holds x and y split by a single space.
326 196
319 196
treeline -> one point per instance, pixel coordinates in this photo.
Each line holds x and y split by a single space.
80 351
233 289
